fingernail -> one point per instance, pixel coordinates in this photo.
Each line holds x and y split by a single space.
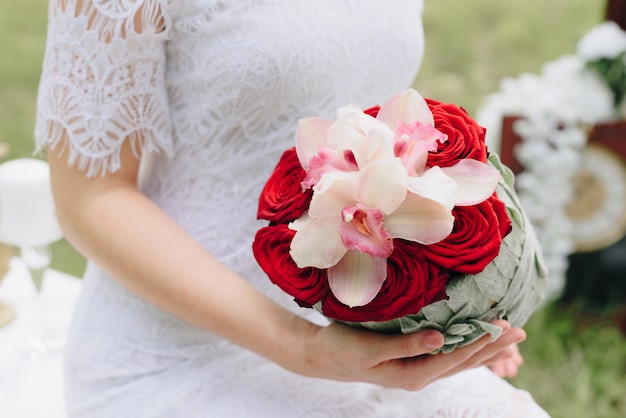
433 340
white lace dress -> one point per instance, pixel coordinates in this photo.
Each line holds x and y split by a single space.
211 90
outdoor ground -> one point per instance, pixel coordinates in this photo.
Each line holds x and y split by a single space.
575 364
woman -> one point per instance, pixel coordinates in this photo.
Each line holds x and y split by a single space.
162 120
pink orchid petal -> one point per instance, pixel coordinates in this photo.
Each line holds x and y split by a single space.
383 185
419 132
357 278
412 142
420 220
317 242
362 230
408 106
413 155
476 181
325 161
311 134
435 185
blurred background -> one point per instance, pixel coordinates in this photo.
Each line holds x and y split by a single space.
575 354
576 349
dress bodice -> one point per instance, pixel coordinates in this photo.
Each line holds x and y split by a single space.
237 83
211 91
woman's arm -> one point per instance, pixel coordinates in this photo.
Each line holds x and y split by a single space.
111 222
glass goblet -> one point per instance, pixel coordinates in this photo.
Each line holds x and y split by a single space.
43 342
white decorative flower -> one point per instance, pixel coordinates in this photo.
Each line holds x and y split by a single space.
607 40
556 108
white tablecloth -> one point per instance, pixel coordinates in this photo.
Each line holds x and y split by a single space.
33 388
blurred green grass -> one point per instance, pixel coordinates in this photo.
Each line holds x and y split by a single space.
472 45
575 365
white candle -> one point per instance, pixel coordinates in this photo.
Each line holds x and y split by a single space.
27 213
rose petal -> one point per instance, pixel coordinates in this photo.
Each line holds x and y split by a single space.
357 278
407 106
420 220
476 181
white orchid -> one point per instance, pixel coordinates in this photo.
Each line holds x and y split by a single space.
606 40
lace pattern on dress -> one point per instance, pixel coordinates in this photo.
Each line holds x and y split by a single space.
103 81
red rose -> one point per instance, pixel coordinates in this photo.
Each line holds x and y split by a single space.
372 111
283 199
475 239
271 250
411 284
466 138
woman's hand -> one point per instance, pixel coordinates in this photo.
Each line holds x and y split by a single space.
399 361
507 367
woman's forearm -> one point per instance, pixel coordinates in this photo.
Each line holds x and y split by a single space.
112 223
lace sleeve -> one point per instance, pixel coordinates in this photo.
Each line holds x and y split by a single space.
103 81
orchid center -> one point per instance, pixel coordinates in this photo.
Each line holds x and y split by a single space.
359 219
362 229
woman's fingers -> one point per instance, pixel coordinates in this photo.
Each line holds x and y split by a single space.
507 366
404 346
491 351
443 365
417 371
401 361
480 353
423 342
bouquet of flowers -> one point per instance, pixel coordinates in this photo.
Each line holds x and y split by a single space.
396 218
